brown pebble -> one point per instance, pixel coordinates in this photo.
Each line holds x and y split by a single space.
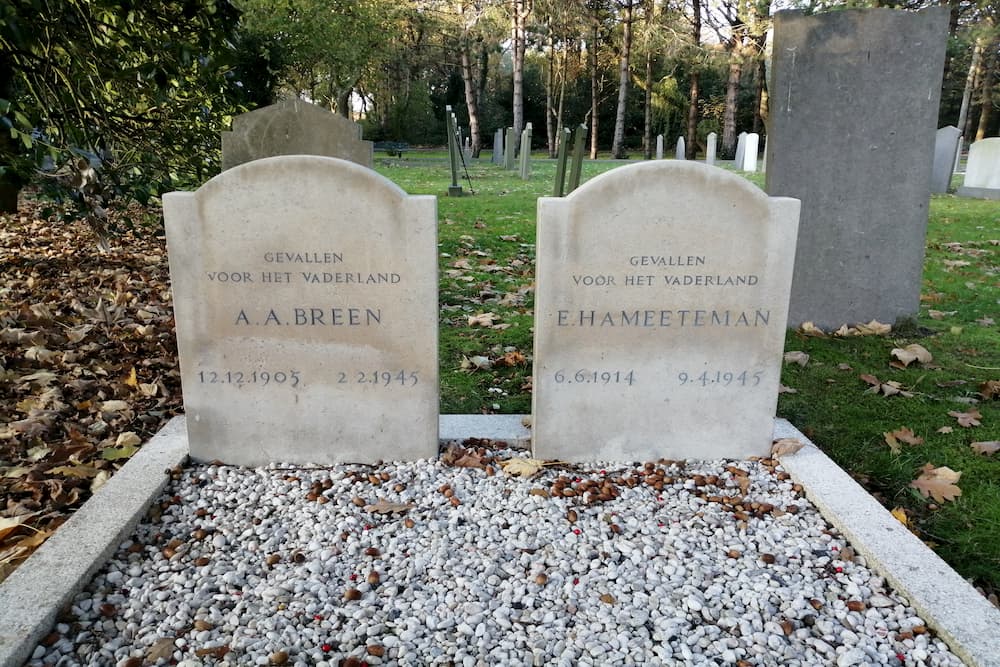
448 493
133 662
568 493
202 562
455 502
322 500
399 488
202 626
792 509
855 605
372 551
50 639
712 479
699 480
199 534
542 579
490 471
767 558
278 657
787 627
608 598
783 476
919 629
384 476
797 488
373 578
272 559
538 492
816 604
733 553
616 529
443 488
352 594
900 636
200 512
409 523
375 650
571 516
359 501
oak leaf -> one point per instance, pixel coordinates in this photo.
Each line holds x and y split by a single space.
383 506
907 355
945 429
810 329
986 448
161 649
901 435
874 328
966 419
786 446
482 319
937 483
522 467
990 389
797 357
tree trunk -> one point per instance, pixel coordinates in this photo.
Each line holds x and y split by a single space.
729 112
618 144
595 87
550 129
986 96
521 10
970 83
471 101
344 102
647 103
10 183
761 97
691 142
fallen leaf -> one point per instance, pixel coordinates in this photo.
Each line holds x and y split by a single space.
844 367
476 363
9 524
217 652
955 263
513 358
871 379
74 471
966 419
985 321
383 506
782 389
117 453
460 457
522 467
990 389
911 353
608 598
937 483
810 329
132 380
945 429
161 649
482 320
100 479
986 448
114 406
786 446
901 435
874 328
901 517
797 357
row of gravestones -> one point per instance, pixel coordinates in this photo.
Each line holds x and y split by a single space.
305 297
747 148
306 290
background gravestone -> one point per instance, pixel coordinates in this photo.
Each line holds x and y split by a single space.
660 307
659 147
982 171
710 146
294 127
853 114
751 146
945 149
305 296
679 153
741 143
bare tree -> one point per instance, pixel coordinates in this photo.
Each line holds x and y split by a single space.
627 8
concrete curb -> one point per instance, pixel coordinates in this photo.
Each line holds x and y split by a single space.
949 605
31 598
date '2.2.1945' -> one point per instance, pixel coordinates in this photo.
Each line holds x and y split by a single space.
293 378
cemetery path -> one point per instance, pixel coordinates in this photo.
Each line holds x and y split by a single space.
88 362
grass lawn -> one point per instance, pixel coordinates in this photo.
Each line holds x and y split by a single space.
487 270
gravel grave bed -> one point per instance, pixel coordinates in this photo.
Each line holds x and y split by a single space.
455 562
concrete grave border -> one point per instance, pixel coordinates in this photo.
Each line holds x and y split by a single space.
31 598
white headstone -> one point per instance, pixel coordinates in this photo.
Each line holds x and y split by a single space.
741 144
660 313
679 150
305 296
946 142
750 150
982 170
710 146
526 152
497 147
659 147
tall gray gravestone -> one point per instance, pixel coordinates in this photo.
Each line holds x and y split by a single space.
305 296
497 157
659 147
679 149
509 149
854 105
294 127
751 146
710 147
660 308
741 145
945 149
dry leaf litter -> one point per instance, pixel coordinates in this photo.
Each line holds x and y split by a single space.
474 562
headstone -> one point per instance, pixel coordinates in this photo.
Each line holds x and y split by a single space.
497 157
561 157
293 127
741 144
576 161
305 296
854 107
679 150
454 190
958 155
508 150
467 150
945 148
659 147
526 152
982 170
662 292
750 149
710 147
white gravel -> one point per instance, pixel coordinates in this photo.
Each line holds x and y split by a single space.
293 566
